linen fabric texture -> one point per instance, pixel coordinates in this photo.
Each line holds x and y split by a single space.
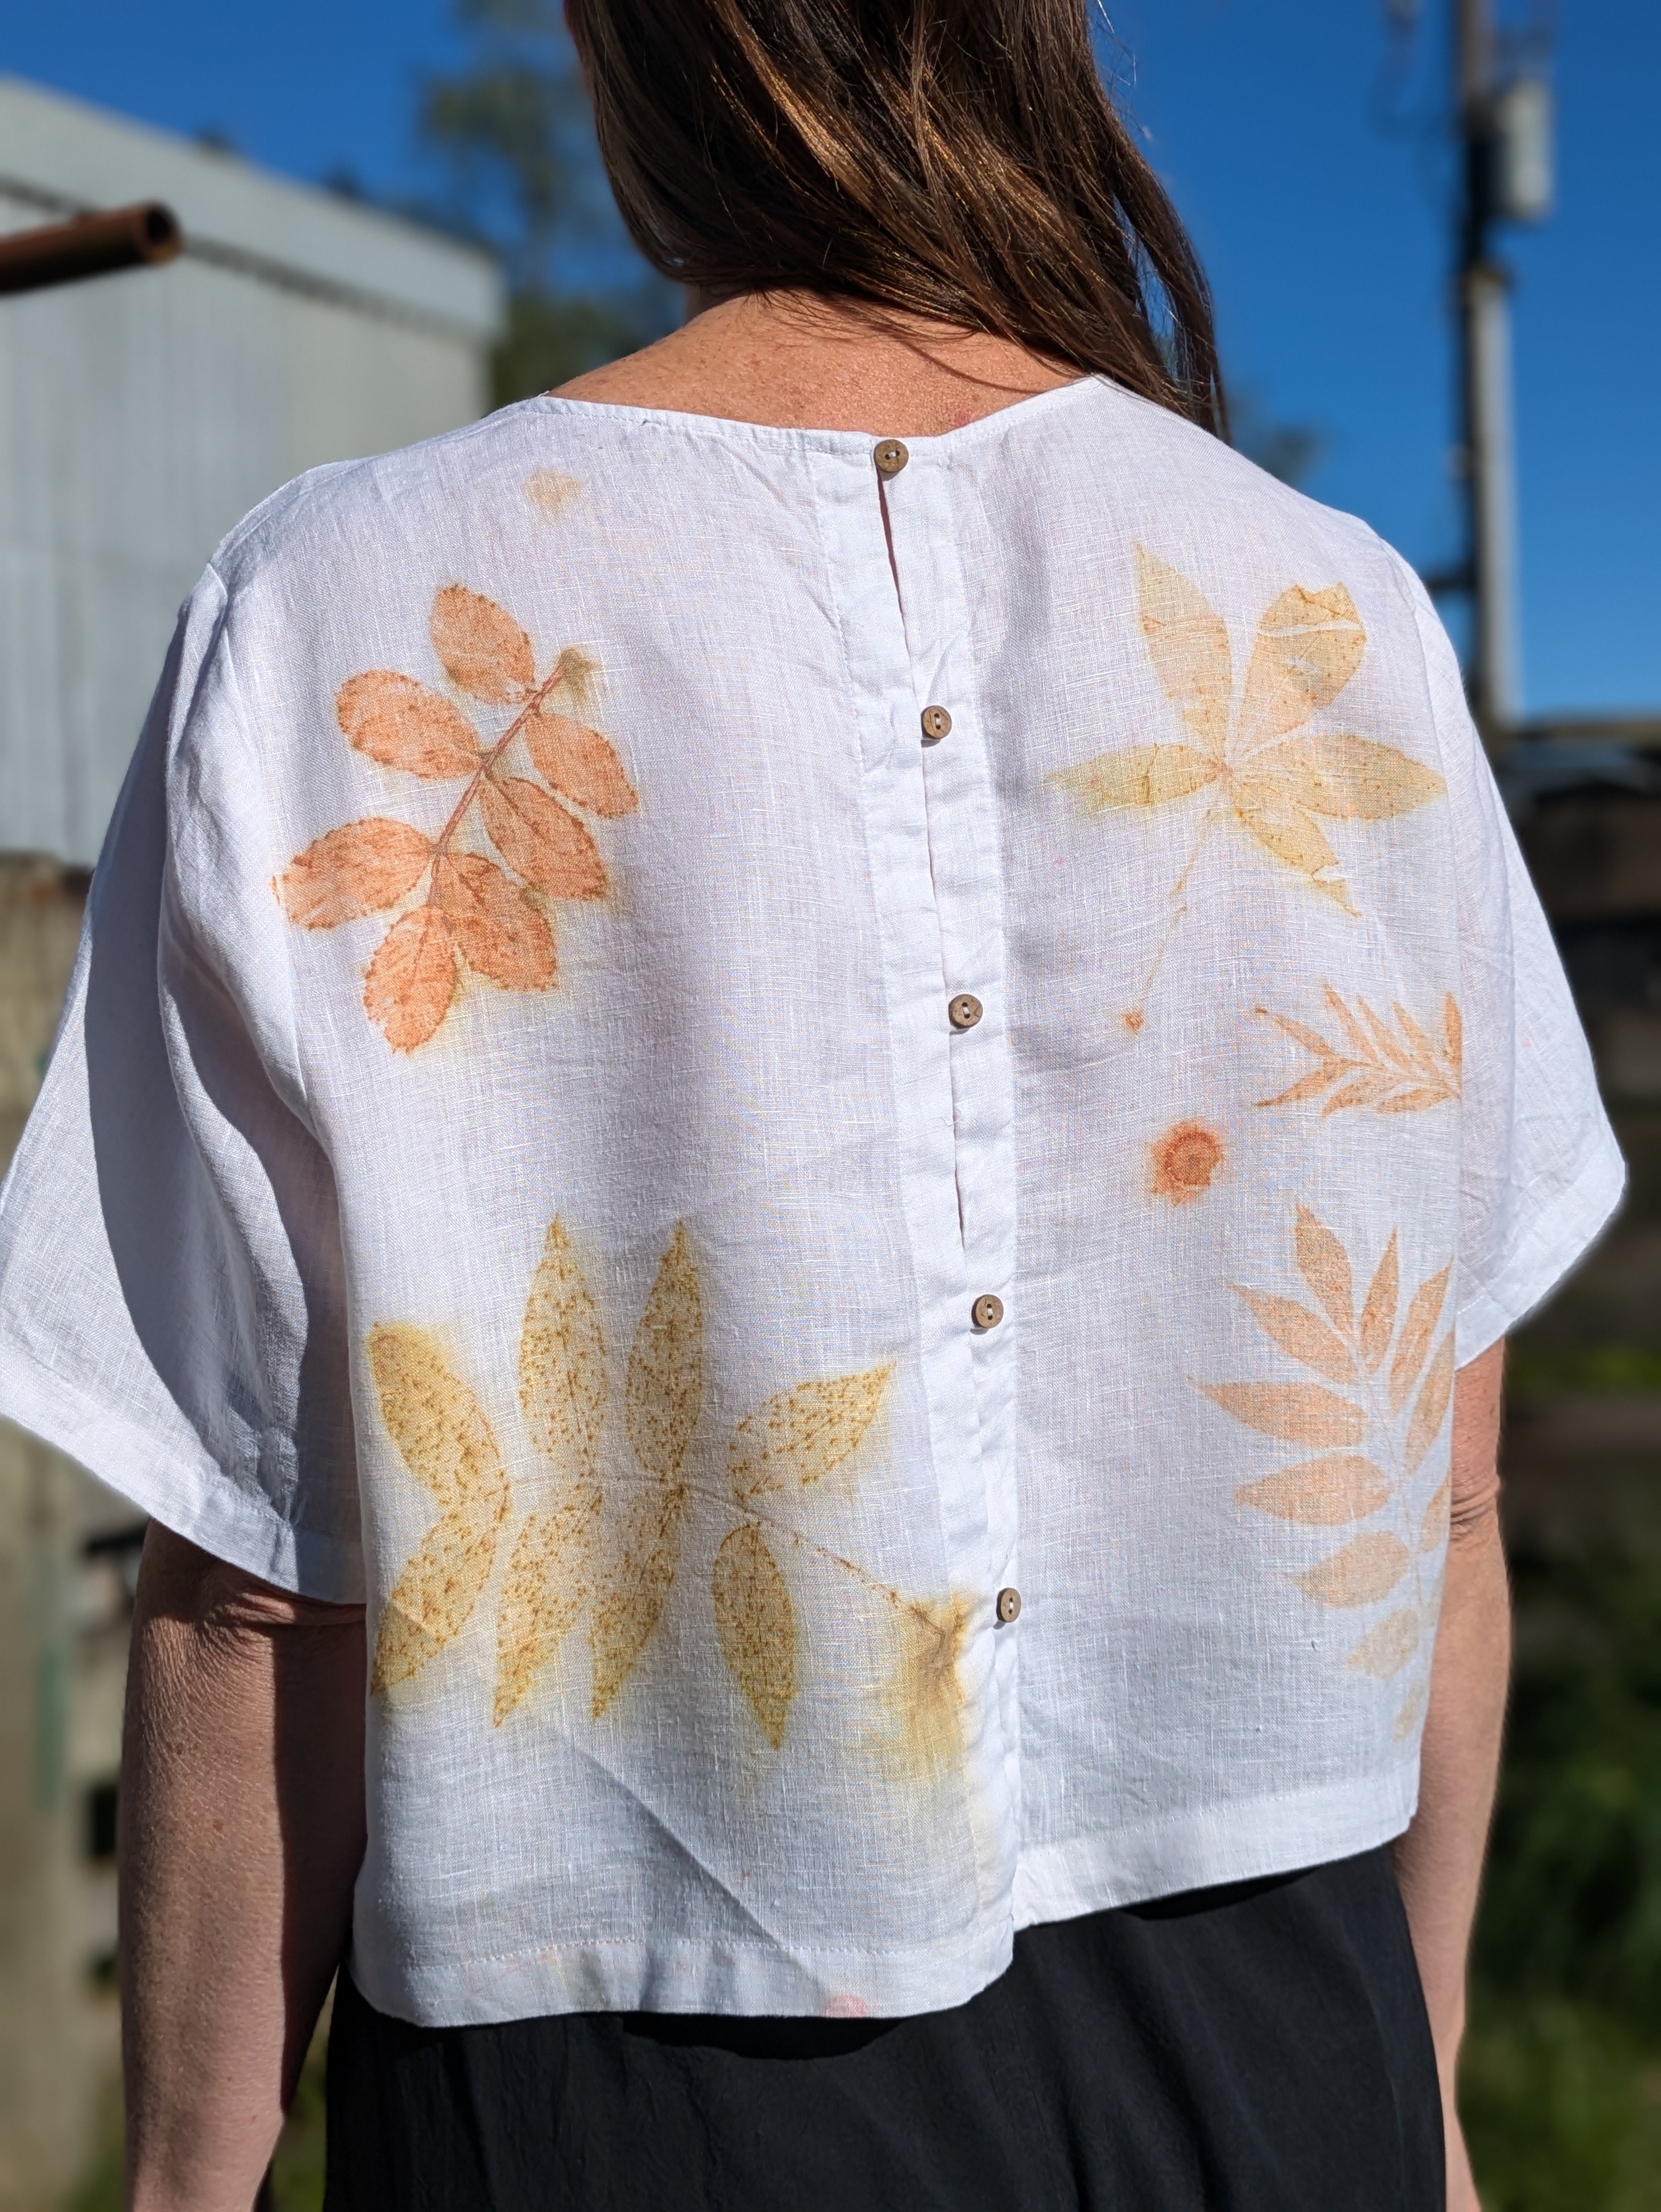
507 1155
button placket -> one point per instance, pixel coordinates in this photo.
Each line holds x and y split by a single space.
967 877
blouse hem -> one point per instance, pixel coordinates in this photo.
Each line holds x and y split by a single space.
1063 1882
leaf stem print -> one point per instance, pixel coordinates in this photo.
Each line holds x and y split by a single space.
1393 1070
475 912
1371 1443
1261 768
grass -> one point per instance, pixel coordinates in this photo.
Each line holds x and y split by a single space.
1561 2084
1611 1368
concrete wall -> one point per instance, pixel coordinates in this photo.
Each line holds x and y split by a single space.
142 415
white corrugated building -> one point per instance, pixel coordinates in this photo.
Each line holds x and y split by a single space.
141 415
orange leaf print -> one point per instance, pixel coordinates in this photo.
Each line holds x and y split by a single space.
756 1626
1412 1707
403 725
802 1435
580 763
1302 1412
1320 1492
1363 1572
1387 1649
1453 1032
412 979
1188 644
1417 1330
1434 1528
1431 1409
1324 1265
1375 1066
540 840
1301 1333
1379 1314
359 869
484 652
1308 645
501 934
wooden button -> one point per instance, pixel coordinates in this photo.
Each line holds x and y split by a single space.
1009 1606
964 1011
891 457
936 725
987 1311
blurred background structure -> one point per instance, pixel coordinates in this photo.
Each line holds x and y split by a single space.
140 415
1434 231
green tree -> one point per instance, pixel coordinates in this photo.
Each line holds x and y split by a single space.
511 133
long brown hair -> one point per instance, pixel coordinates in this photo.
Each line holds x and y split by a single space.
954 158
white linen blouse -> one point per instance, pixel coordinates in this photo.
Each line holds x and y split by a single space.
848 1186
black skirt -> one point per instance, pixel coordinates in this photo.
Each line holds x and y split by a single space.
1261 2048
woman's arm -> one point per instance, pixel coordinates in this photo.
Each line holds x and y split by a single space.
241 1829
1440 1859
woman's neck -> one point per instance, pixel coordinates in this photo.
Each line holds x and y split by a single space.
799 362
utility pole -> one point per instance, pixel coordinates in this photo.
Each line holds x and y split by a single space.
1505 134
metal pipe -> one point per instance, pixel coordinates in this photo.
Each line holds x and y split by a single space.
91 246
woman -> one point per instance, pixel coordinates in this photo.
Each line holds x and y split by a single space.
826 1065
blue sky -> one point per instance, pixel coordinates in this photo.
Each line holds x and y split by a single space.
1324 235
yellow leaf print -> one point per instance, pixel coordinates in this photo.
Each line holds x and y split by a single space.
1348 1486
665 1388
1258 767
1308 644
630 1603
663 1397
561 1362
444 1440
755 1624
546 1587
562 1389
802 1435
925 1693
1188 644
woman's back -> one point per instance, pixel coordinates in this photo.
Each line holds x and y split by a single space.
825 982
819 1057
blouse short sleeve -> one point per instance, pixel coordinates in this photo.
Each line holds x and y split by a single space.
1539 1170
171 1297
